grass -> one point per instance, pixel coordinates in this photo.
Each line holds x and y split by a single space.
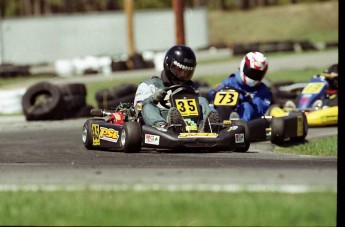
316 22
326 146
164 208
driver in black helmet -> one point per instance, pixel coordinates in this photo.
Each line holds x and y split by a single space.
179 65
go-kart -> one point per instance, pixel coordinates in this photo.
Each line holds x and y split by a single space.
273 125
319 104
123 128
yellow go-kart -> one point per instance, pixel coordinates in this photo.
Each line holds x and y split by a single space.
319 104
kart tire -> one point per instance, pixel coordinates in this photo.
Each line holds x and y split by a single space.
277 130
301 139
112 104
123 90
74 102
84 111
116 93
74 89
131 137
42 101
87 137
246 146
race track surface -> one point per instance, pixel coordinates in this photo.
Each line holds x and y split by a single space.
52 153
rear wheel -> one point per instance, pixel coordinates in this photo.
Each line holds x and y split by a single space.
246 146
89 136
131 137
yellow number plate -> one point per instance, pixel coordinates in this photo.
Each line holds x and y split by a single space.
313 88
226 98
187 107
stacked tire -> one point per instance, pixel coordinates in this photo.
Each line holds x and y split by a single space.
111 98
46 101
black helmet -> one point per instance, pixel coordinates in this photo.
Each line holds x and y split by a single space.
180 62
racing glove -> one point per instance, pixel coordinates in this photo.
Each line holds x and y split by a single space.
159 95
248 98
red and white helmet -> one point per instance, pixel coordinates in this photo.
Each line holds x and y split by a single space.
253 68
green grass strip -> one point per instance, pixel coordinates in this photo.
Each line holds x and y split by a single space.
162 208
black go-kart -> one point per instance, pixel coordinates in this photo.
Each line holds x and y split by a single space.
123 129
276 125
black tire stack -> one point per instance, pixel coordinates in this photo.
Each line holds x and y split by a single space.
111 98
46 101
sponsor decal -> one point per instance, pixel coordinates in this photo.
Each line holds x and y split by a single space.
239 138
152 139
95 135
183 66
191 128
109 134
198 135
190 124
304 100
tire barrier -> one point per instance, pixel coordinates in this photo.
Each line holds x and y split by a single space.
273 46
111 98
46 101
9 70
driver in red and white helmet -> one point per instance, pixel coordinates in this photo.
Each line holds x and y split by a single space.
252 70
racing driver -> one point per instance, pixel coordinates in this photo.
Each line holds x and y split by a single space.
178 68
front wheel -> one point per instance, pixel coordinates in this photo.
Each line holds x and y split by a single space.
131 137
277 130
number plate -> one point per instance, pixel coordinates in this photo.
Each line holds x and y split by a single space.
226 98
313 88
187 107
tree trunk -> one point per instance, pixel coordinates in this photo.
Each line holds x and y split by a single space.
244 4
36 7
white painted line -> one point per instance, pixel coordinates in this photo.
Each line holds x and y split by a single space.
172 187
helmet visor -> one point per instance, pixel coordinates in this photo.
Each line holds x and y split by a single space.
183 73
254 74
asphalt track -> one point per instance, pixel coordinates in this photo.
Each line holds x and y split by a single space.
50 155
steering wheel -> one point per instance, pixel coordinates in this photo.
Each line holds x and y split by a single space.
165 102
236 89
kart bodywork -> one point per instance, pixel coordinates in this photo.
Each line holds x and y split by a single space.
320 107
276 126
123 128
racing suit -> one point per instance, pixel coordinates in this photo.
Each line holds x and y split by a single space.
251 106
151 112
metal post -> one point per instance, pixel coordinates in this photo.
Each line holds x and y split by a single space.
129 14
178 6
1 43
